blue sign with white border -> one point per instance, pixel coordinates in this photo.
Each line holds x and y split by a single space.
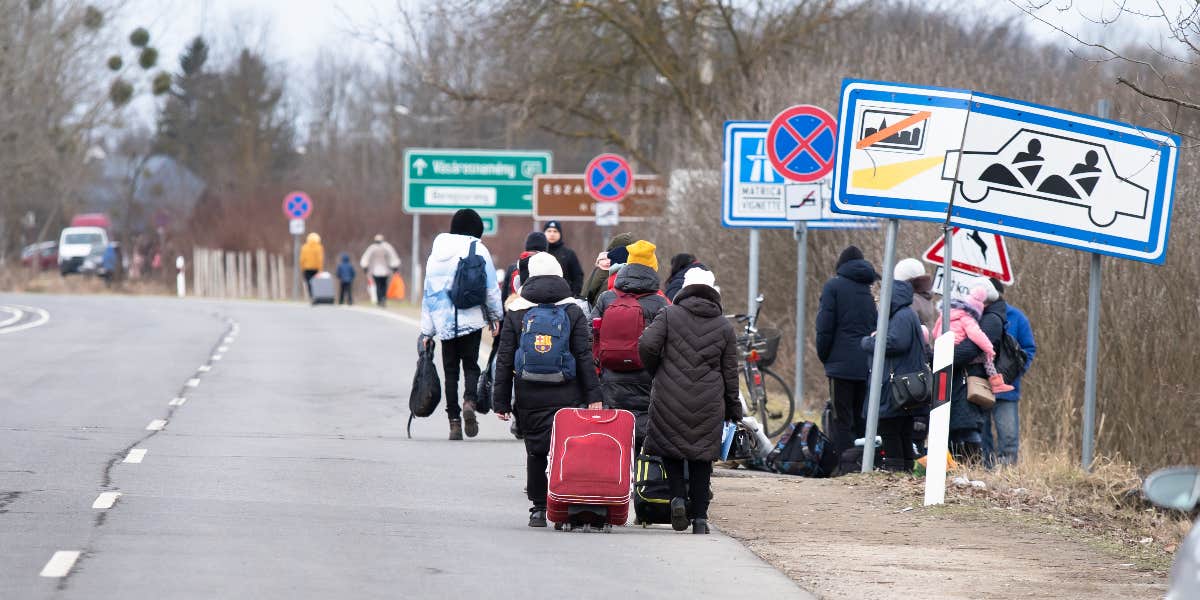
754 193
1013 168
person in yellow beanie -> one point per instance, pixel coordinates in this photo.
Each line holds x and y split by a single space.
623 313
312 259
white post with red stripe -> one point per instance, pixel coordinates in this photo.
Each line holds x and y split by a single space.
938 441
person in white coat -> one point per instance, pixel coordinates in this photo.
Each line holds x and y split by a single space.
379 262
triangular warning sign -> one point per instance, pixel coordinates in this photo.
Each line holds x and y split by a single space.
975 252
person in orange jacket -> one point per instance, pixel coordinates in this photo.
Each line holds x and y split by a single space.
312 259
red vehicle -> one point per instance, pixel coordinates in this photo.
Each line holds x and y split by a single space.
46 254
100 220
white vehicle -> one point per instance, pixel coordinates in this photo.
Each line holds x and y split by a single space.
81 249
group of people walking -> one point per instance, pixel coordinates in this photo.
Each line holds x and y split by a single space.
979 320
616 340
379 262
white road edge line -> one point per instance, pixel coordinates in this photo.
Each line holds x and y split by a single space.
384 313
43 317
229 340
223 349
16 313
106 500
135 456
177 401
216 357
156 425
60 564
193 383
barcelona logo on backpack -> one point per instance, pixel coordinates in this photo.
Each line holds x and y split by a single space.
544 354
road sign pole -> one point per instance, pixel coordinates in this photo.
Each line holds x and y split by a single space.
1093 352
881 330
418 289
947 276
752 273
296 267
801 318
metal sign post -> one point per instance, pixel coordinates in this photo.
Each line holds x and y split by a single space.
752 273
1093 345
418 287
801 296
881 334
296 267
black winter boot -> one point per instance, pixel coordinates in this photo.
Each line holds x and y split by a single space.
456 429
679 516
537 517
472 423
700 526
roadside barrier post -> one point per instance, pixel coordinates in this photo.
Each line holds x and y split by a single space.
180 283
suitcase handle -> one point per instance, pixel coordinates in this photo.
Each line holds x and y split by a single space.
603 415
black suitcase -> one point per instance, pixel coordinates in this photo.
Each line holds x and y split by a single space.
651 492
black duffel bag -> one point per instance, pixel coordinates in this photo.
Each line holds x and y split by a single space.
483 390
427 386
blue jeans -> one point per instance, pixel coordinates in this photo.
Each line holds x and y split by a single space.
1007 417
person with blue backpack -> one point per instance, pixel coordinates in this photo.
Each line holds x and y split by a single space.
545 345
461 298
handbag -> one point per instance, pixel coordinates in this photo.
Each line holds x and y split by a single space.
742 447
911 391
979 392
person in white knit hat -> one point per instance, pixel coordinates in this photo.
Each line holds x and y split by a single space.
553 372
691 350
912 271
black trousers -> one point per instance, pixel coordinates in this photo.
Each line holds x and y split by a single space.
346 292
462 351
897 434
308 275
694 486
848 397
381 289
535 479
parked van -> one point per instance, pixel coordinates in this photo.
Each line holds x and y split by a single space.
81 249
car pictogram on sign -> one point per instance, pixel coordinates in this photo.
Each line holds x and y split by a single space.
1049 167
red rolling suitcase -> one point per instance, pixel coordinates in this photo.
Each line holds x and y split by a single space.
591 468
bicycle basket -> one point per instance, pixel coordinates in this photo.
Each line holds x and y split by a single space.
768 345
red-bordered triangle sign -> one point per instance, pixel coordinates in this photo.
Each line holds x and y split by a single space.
975 252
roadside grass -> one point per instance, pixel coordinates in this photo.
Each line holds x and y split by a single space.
1103 508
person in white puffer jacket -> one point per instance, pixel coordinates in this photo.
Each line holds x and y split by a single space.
460 330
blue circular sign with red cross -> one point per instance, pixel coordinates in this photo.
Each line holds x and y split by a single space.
297 205
608 178
801 143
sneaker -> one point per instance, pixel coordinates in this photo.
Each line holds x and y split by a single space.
700 526
998 385
456 429
472 423
537 517
679 518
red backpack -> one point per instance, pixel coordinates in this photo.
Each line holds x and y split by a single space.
620 329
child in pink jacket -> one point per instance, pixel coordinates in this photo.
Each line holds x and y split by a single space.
964 322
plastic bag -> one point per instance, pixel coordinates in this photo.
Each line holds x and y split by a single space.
426 388
396 290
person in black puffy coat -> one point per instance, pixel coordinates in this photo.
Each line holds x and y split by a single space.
847 314
904 353
692 352
537 402
572 271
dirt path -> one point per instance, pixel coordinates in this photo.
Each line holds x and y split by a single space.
847 538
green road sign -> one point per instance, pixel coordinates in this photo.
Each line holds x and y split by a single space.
493 181
491 224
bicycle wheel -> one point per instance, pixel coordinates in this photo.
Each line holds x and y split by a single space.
780 406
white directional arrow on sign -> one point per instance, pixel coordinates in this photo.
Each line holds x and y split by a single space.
420 165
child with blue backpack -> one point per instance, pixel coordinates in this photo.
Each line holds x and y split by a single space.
545 345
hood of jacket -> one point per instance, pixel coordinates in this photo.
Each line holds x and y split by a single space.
859 270
543 289
637 279
618 241
700 300
998 308
447 246
902 295
345 257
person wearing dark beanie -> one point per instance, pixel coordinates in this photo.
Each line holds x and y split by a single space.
572 271
846 315
460 328
519 271
536 242
467 222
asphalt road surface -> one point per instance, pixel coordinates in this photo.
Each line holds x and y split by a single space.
258 451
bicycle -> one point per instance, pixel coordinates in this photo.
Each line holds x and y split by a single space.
769 398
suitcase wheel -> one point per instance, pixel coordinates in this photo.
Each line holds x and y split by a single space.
558 526
608 528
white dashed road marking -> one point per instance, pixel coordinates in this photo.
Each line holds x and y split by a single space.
156 425
177 402
193 383
229 340
223 349
136 455
216 357
106 500
60 564
204 368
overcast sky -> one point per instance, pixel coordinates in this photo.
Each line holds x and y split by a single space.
296 30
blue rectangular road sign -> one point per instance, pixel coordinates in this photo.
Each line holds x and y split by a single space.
1013 168
754 194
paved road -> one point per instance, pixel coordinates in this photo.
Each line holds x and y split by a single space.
285 473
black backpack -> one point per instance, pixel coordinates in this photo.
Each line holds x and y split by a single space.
470 281
426 388
803 450
1010 357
